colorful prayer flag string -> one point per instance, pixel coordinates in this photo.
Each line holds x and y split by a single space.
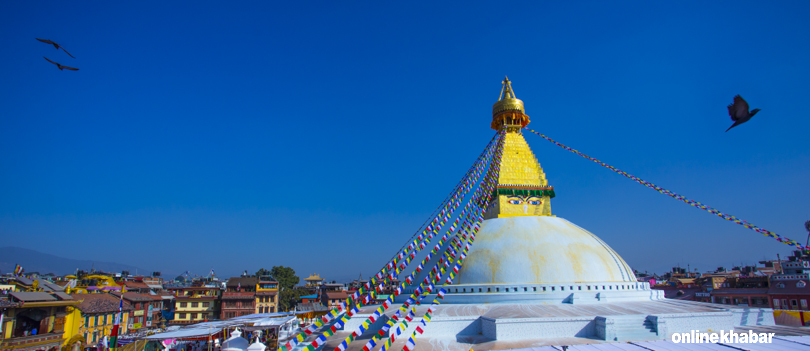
439 220
682 198
410 279
491 178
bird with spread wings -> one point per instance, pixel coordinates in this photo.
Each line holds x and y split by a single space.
61 67
57 46
738 110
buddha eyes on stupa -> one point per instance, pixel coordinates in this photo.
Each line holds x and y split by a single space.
515 202
534 202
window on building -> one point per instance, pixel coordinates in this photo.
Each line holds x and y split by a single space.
183 304
794 303
87 321
182 316
95 320
195 304
193 316
579 287
804 304
206 304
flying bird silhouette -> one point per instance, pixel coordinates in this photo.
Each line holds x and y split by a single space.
61 67
738 110
46 41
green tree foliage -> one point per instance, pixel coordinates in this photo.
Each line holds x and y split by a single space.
288 296
261 272
285 276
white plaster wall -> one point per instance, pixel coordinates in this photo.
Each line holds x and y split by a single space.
753 316
531 328
451 327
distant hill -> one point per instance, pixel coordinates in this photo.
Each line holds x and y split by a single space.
35 261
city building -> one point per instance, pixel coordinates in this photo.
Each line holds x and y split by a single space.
239 298
196 304
145 309
789 290
266 295
94 317
34 320
332 299
137 287
314 280
315 298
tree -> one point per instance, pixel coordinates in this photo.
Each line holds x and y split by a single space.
287 295
262 272
285 276
288 298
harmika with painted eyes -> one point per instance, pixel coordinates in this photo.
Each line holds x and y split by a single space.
526 201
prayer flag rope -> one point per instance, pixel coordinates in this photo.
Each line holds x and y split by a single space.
411 343
450 254
427 286
410 279
462 188
682 198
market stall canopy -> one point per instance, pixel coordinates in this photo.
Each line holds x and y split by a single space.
250 322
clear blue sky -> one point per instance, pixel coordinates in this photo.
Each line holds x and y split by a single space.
320 135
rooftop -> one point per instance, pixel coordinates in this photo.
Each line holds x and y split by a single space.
134 297
313 277
31 296
336 295
99 303
136 285
243 281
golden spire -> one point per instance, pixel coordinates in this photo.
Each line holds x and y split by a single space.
508 112
522 188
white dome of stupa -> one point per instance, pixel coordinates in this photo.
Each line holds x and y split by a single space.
236 342
256 346
540 250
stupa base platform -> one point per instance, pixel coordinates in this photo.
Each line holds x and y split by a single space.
513 326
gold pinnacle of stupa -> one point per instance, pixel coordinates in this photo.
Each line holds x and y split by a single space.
508 112
522 189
